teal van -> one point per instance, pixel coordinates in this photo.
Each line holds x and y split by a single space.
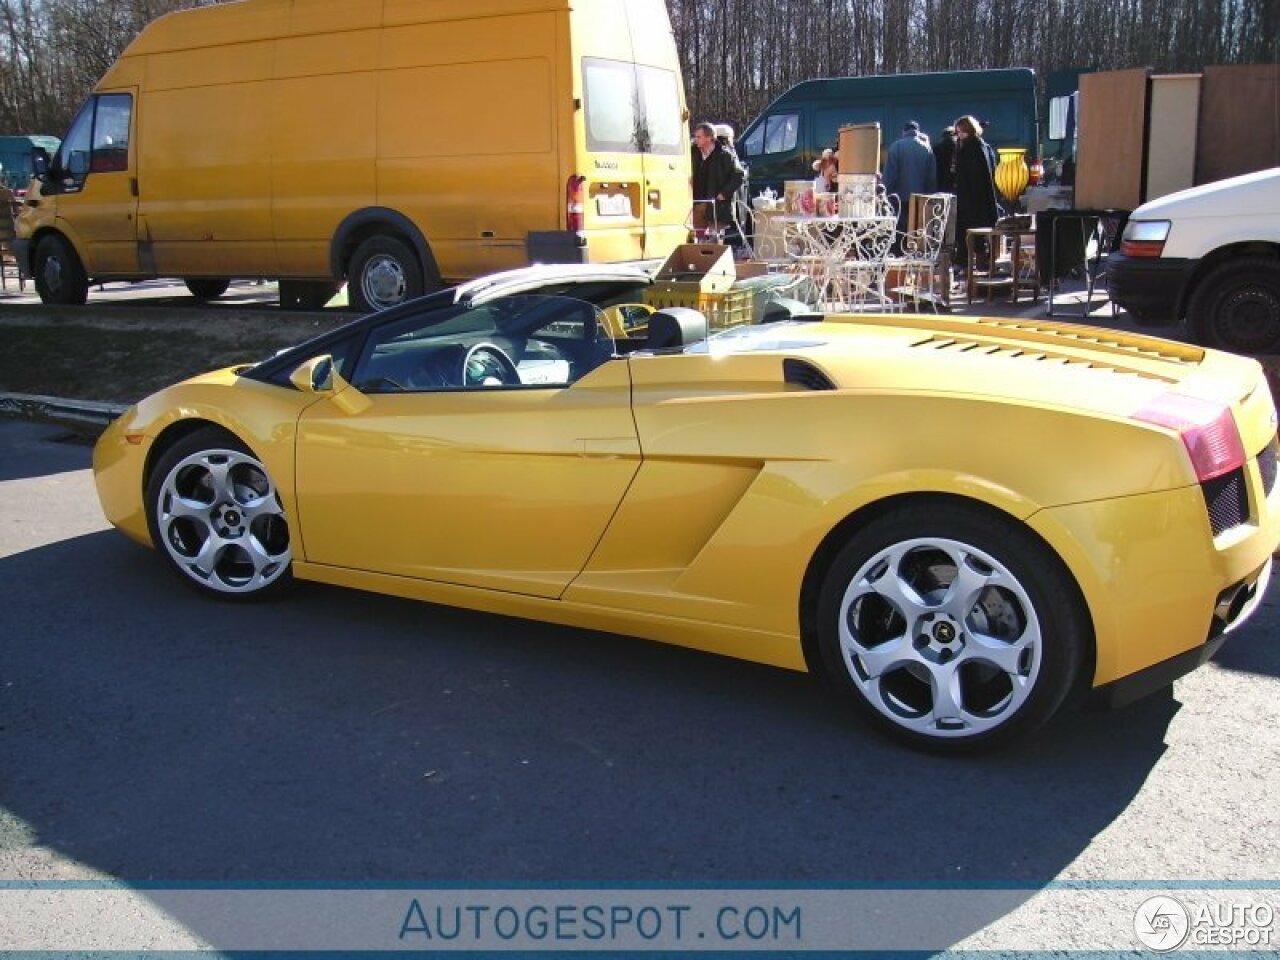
782 143
15 158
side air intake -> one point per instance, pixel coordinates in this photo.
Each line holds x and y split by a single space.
802 373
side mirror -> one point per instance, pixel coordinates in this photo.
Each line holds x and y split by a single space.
78 163
319 377
40 162
314 376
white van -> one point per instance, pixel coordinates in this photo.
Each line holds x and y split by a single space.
1211 256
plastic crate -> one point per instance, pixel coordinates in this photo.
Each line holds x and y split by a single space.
722 310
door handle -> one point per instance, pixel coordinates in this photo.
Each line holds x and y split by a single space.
133 186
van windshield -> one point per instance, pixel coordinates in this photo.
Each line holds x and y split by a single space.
631 108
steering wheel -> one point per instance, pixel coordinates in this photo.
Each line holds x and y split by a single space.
487 365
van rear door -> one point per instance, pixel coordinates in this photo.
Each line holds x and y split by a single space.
665 146
636 195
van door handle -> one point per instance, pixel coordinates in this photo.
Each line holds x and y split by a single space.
133 186
655 198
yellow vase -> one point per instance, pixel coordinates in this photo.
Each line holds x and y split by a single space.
1012 173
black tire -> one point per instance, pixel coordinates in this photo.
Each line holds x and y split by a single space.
1236 307
59 274
914 651
207 288
245 516
306 294
384 272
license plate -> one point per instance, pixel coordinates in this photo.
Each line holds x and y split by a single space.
613 205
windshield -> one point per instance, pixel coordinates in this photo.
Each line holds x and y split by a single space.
504 343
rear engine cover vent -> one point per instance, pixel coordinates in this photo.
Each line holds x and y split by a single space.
1004 351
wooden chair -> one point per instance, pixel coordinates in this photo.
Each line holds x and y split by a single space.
7 260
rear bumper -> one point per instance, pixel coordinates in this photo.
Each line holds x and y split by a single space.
1160 588
1236 604
1149 288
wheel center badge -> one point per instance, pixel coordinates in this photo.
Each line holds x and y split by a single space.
944 633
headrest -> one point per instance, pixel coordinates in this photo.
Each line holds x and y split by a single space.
675 327
785 308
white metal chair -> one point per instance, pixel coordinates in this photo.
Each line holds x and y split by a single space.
924 258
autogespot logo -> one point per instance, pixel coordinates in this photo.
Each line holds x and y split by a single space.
1162 923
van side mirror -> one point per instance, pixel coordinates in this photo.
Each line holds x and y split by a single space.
78 163
40 162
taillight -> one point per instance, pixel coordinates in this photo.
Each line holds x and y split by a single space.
1144 238
1208 431
574 190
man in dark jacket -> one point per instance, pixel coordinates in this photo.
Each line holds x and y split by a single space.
717 175
944 154
909 169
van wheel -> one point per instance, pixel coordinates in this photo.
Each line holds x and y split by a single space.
383 272
207 288
60 277
1237 307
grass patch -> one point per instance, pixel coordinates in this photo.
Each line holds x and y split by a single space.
121 362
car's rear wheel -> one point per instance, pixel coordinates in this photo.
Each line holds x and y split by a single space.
59 274
1237 307
207 288
950 627
216 517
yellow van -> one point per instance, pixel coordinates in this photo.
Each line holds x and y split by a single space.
393 144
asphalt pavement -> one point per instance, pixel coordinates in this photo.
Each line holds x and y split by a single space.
150 734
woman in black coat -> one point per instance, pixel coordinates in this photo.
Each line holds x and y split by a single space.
974 181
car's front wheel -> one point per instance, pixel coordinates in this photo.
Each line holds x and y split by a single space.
950 627
216 517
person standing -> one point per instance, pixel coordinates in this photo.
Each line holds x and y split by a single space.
944 152
717 175
975 187
909 169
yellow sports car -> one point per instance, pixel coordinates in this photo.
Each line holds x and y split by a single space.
961 523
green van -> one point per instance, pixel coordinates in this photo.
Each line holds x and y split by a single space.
782 143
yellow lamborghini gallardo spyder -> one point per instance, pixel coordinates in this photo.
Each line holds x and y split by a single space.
961 523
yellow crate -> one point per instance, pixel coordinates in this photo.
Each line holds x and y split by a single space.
721 309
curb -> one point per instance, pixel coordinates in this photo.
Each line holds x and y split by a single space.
83 415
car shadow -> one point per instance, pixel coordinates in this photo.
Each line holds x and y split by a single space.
1251 651
339 737
34 450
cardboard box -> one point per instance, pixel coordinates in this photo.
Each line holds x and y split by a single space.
700 267
746 269
860 148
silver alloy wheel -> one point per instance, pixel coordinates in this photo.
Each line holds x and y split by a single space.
383 281
940 637
221 521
